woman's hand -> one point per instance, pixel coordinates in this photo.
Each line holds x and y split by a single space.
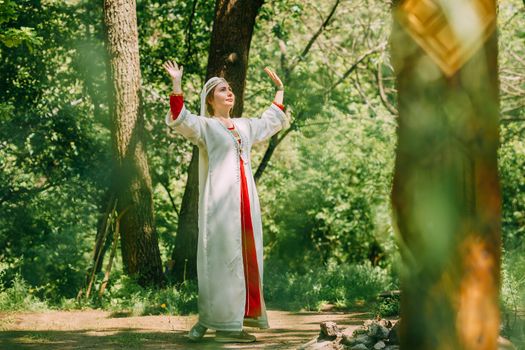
173 70
175 73
274 78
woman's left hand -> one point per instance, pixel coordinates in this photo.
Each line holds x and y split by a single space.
274 78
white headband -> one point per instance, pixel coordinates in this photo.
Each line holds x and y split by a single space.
210 84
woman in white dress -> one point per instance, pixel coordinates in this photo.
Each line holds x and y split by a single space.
230 247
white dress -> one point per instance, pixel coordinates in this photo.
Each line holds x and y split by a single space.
220 271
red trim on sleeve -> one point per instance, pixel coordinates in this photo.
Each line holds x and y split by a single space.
279 105
176 104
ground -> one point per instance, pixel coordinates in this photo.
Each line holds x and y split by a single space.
95 329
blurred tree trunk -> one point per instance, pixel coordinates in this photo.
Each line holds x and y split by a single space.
228 57
446 196
140 250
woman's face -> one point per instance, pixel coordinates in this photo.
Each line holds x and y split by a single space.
223 97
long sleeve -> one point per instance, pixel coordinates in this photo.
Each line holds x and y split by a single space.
270 123
185 123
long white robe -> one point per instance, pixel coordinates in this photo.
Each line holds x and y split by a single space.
222 291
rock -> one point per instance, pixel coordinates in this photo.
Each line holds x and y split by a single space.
365 340
347 331
392 347
385 323
359 347
329 329
320 344
368 323
360 330
348 340
505 344
379 345
378 332
393 335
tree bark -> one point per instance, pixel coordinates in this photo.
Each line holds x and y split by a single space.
446 198
228 57
230 44
140 250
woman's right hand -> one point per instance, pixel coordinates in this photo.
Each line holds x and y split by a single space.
173 70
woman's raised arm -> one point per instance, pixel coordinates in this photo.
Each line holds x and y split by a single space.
188 125
274 118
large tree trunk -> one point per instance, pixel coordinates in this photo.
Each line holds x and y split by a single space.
230 44
228 57
140 250
446 194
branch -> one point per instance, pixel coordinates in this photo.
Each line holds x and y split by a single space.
314 38
511 120
381 88
274 141
283 135
518 58
512 109
166 188
354 66
510 18
357 85
25 191
363 118
189 30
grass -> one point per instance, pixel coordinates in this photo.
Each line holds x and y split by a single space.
346 286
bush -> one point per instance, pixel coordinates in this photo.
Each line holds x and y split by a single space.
344 286
388 306
125 295
19 297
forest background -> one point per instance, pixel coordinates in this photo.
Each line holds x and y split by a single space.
325 192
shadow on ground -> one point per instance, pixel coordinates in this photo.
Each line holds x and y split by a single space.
98 330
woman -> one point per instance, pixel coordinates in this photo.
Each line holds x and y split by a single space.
230 249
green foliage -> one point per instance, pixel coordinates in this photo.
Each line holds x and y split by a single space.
55 150
512 150
512 163
51 155
342 285
126 296
513 283
513 297
19 297
316 218
12 37
387 307
324 195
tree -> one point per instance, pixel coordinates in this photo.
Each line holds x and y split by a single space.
228 58
11 36
446 193
308 97
131 178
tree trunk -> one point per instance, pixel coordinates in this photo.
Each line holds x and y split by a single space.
184 255
228 57
446 194
140 250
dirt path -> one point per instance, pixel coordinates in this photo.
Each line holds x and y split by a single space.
95 329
